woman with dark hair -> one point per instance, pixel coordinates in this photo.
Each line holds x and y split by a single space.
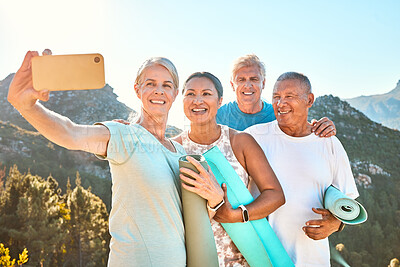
202 96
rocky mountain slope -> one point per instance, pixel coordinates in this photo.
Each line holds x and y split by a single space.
20 143
384 108
364 139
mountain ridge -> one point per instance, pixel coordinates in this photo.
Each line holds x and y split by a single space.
383 108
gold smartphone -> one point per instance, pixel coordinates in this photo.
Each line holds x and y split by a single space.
68 72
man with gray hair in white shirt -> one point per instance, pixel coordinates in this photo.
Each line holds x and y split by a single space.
306 166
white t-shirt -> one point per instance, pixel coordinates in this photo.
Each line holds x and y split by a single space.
305 167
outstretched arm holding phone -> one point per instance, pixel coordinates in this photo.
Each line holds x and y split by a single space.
55 127
134 177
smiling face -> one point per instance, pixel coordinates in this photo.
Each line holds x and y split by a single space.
291 103
248 84
156 90
200 100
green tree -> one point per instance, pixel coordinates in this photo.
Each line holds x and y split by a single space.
88 237
30 216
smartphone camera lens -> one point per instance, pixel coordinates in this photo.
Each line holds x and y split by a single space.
96 59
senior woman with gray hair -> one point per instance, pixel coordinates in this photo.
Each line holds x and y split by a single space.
146 219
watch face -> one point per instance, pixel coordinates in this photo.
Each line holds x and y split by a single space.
245 215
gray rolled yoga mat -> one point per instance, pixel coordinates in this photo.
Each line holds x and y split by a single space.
199 237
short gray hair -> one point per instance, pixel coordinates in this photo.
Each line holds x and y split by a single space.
162 61
248 61
304 81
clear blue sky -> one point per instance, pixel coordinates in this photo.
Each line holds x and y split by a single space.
346 48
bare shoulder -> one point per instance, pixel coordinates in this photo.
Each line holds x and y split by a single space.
240 139
245 148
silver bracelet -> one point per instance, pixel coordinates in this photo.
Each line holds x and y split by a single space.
216 207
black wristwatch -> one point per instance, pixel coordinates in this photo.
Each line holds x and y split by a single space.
341 227
245 213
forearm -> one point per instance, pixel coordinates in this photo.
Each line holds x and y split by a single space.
61 130
51 125
267 202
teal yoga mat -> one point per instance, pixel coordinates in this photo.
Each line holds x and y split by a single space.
255 239
343 207
199 237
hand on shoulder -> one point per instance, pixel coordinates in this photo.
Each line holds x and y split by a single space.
323 128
